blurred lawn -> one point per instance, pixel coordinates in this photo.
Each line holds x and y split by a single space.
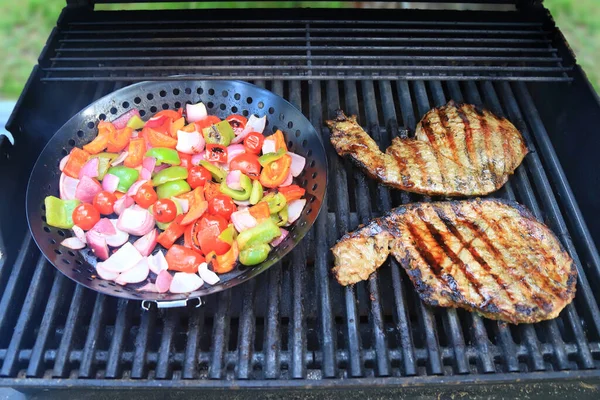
26 24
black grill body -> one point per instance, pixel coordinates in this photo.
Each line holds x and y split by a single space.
294 328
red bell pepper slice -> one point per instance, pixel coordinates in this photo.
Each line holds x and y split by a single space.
292 192
105 130
158 139
168 237
276 172
216 153
76 160
118 140
135 156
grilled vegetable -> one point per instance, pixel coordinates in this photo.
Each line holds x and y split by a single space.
262 233
255 254
169 174
173 188
219 133
59 213
127 176
244 194
164 155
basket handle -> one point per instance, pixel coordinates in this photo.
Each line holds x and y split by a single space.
146 304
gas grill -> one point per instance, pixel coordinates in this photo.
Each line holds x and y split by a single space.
294 329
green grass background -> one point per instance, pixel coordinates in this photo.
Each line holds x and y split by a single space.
25 25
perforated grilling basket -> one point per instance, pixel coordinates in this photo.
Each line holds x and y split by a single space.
222 98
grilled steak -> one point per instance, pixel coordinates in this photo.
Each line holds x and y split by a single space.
489 256
458 150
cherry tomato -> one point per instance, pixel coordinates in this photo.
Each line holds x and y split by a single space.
209 241
85 216
210 220
247 163
237 122
146 195
182 259
186 159
253 142
216 153
104 202
197 176
164 210
221 205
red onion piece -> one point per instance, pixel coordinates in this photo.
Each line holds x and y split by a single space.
121 121
120 159
97 243
110 183
67 187
254 124
155 121
79 233
243 220
198 157
207 275
87 189
148 287
184 282
268 146
63 162
277 241
104 273
163 281
136 221
295 208
137 274
145 174
233 151
195 112
146 243
105 227
73 243
184 203
133 189
160 167
288 181
149 163
123 259
122 203
119 238
233 179
190 142
298 163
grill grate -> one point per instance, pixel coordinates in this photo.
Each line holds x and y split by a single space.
294 325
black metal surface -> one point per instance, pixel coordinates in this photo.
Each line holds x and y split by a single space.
221 98
294 326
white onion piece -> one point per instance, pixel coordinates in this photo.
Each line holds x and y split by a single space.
233 179
295 208
207 275
195 112
254 124
121 121
184 203
190 142
90 168
119 238
123 259
104 273
97 243
298 163
288 181
133 189
105 227
158 262
122 204
137 274
67 187
110 183
120 159
243 220
87 189
79 233
268 146
148 287
63 162
146 243
233 151
184 282
73 243
244 203
196 158
277 241
163 281
136 221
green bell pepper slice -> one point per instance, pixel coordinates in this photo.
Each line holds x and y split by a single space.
127 176
173 188
220 133
268 158
164 155
135 122
262 233
276 202
169 174
59 213
254 254
217 173
104 160
228 235
239 195
281 218
257 192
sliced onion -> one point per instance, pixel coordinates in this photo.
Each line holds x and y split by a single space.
110 183
97 243
63 162
121 121
149 163
73 243
90 168
268 146
184 282
67 187
196 158
195 112
104 273
87 189
233 179
155 121
120 159
254 124
146 243
148 287
288 181
233 151
158 262
119 238
134 134
145 174
295 208
298 163
184 203
123 259
79 233
136 221
243 220
105 227
122 203
133 189
207 275
163 281
243 203
190 142
137 274
277 241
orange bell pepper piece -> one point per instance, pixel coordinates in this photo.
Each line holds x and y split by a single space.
211 189
105 130
279 140
158 139
137 149
190 128
292 192
168 237
196 211
206 122
118 140
172 114
175 126
224 263
76 160
260 211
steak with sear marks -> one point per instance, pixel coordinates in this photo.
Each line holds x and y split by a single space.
490 256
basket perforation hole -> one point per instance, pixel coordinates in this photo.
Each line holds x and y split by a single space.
234 109
46 229
137 100
125 104
80 133
223 106
210 104
112 284
314 175
78 262
90 124
315 186
312 163
71 142
89 279
249 100
153 109
66 261
261 105
52 241
271 110
281 117
224 93
102 285
290 144
102 117
304 143
177 104
309 153
176 92
211 92
245 113
290 125
61 233
275 128
71 253
90 270
188 90
113 110
165 106
150 96
237 96
57 251
162 93
142 113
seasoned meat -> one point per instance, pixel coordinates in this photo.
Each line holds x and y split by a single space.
458 150
488 256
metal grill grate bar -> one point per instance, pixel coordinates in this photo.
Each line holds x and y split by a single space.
139 369
246 332
121 324
96 323
195 328
220 337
